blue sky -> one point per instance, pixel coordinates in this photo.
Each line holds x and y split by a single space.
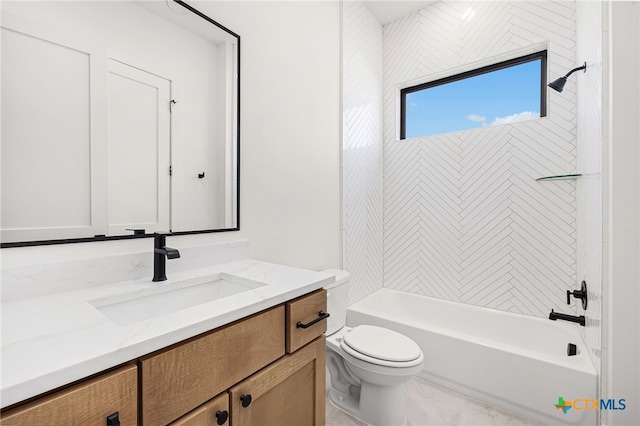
503 96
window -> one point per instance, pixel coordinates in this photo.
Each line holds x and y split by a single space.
506 92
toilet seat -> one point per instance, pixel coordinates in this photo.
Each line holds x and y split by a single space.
381 346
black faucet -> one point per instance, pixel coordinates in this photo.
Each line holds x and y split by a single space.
581 294
558 316
160 255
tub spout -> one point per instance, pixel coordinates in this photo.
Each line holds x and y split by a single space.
573 318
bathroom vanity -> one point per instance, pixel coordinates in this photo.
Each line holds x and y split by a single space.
239 359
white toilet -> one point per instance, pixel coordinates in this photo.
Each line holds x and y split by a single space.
368 365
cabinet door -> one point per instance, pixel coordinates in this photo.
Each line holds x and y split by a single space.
290 391
212 413
88 403
139 133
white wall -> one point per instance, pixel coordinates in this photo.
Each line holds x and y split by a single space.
621 196
465 219
362 149
290 139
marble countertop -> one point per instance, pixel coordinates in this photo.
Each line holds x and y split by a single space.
53 340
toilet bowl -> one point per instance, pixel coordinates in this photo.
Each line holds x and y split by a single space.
368 365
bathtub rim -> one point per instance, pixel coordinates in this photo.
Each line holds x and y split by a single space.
581 362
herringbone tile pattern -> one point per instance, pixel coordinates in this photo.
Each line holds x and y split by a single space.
362 149
458 216
589 187
464 218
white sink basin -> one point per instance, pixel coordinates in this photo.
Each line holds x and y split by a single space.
128 308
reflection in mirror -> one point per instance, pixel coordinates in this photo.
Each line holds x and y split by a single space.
116 116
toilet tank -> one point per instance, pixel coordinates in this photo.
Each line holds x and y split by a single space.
337 299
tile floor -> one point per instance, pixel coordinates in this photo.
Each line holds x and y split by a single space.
429 404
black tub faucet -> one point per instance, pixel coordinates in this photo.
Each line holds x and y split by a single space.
160 255
558 316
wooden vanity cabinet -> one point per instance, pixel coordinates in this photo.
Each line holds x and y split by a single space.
287 389
289 392
88 403
183 377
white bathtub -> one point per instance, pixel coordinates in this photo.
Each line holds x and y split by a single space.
516 362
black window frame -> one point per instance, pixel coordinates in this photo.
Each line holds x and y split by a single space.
541 55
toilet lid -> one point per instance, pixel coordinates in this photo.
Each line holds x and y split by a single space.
382 343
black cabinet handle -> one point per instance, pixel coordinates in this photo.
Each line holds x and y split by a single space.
246 400
222 417
113 419
321 315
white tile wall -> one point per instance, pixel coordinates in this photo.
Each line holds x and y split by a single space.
362 149
464 218
589 159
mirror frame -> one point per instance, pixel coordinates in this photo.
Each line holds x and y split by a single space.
204 231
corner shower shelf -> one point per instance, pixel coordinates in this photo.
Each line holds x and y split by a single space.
560 177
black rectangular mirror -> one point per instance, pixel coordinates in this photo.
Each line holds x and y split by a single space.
119 119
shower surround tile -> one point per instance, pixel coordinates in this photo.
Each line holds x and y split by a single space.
362 150
464 218
459 216
589 188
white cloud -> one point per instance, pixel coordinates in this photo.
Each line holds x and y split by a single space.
522 116
476 118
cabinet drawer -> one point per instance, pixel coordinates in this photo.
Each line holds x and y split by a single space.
88 403
187 375
212 413
303 311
